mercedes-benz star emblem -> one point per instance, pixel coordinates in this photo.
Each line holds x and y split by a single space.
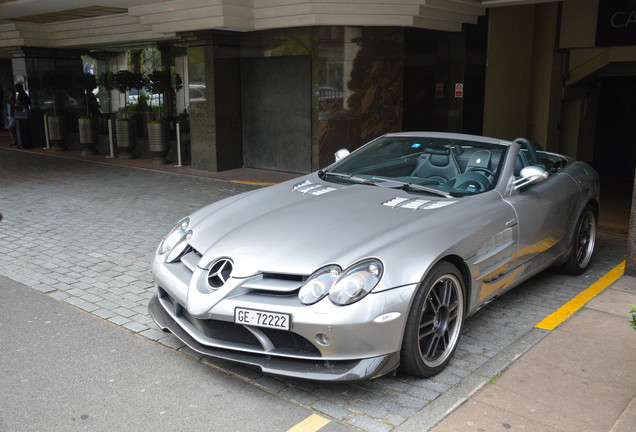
219 273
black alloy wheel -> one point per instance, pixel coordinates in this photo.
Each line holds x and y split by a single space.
583 243
434 323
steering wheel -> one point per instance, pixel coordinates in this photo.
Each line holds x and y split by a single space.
532 150
486 170
475 179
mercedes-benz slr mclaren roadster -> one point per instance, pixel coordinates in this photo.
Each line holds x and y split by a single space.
374 262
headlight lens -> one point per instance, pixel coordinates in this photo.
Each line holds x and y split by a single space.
356 282
319 284
345 287
176 241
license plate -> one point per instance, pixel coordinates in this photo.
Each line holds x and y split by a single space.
260 318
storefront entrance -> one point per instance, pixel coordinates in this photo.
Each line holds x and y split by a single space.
615 148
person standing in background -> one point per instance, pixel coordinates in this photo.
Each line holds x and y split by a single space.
23 104
10 119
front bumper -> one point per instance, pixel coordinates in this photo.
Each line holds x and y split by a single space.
316 370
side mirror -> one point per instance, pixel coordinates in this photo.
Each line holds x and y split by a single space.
530 175
341 154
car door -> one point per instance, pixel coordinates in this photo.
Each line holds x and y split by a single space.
544 212
492 264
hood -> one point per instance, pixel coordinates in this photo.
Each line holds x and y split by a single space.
301 225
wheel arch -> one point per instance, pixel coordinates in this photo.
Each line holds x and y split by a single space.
591 202
461 265
595 206
411 363
464 271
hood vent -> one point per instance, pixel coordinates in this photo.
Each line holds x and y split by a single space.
417 203
308 187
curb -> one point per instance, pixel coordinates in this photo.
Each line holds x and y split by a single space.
437 410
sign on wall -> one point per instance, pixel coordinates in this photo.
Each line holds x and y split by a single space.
459 90
616 23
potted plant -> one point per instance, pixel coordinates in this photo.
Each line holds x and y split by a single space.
88 123
124 81
162 83
52 82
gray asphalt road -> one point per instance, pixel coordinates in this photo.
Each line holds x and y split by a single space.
63 370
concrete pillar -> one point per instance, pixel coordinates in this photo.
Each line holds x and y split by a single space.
508 71
203 112
544 103
450 64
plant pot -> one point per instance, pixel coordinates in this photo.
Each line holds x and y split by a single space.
57 132
88 135
126 138
158 142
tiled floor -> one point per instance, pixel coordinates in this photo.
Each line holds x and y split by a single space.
84 233
615 196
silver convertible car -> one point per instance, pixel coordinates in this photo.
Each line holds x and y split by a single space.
374 262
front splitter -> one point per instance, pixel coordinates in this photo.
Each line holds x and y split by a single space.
314 370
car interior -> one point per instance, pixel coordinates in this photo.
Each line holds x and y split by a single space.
455 166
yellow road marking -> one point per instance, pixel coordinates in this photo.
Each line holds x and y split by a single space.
561 314
251 182
310 424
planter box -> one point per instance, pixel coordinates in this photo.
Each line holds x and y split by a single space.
158 142
126 138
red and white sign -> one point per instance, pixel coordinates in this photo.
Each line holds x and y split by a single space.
459 90
439 90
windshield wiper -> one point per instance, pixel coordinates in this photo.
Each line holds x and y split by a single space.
351 177
414 186
428 189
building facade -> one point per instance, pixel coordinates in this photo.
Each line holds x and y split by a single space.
283 84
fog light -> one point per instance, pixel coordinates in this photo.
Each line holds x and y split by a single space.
323 339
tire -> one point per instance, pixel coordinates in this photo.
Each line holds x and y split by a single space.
434 323
582 243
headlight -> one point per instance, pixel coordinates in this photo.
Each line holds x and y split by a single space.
343 288
176 242
319 284
356 282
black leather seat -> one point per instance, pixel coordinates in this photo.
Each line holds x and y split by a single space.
437 164
477 176
479 159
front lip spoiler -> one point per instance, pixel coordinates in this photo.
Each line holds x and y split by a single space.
315 370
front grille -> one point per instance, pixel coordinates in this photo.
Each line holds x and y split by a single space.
223 330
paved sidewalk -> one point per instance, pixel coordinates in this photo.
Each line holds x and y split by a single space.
580 377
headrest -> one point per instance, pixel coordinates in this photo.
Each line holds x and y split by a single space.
437 150
439 160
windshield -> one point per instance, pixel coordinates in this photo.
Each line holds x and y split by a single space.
447 167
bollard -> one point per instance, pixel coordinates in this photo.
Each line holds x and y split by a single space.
46 131
110 139
178 145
